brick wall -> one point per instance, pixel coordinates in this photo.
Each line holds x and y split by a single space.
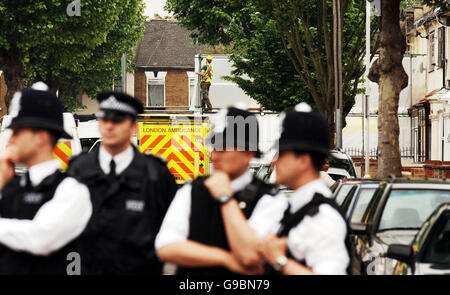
177 88
430 169
437 169
140 86
373 165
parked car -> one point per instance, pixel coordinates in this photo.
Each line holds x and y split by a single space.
354 195
429 253
394 215
341 165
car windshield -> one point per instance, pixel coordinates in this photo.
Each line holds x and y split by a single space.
365 195
411 208
343 164
342 193
438 250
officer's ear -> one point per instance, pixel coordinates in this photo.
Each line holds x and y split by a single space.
303 161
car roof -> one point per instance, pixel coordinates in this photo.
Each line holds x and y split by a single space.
419 180
360 180
423 185
338 171
339 154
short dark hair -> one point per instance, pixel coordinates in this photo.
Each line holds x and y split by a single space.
317 159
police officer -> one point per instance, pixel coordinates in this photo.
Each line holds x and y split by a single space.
44 211
193 235
310 236
130 193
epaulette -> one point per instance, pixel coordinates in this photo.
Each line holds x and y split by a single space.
73 158
160 159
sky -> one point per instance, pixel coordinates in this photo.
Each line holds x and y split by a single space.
155 6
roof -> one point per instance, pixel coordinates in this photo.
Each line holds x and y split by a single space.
431 95
166 45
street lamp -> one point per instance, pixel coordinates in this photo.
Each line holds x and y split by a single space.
366 109
337 60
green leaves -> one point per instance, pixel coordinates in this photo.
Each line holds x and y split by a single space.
72 54
281 50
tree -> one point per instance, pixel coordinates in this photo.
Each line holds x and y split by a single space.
388 72
391 77
299 32
262 68
72 54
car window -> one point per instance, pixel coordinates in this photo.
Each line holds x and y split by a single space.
411 208
342 193
95 145
87 143
343 164
438 250
348 200
365 195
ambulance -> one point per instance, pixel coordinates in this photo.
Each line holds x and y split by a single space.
65 148
180 139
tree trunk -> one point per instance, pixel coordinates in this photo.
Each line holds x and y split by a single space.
14 74
388 72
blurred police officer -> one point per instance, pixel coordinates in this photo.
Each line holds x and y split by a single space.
43 211
130 193
193 235
311 233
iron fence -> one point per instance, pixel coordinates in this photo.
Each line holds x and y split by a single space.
354 152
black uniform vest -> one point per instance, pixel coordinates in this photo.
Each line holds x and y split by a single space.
127 214
206 223
21 202
291 220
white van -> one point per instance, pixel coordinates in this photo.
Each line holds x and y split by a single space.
64 149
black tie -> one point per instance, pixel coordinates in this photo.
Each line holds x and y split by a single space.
286 217
28 185
112 169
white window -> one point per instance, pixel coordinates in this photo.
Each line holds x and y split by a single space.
441 47
156 91
432 61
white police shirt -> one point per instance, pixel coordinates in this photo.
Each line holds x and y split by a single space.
56 223
175 227
318 239
122 160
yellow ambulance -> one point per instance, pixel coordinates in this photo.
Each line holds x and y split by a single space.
180 139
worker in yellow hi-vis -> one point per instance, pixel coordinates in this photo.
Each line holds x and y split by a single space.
206 74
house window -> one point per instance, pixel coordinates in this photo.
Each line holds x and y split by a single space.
422 133
156 93
441 47
432 61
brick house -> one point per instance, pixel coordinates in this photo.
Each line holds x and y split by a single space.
164 75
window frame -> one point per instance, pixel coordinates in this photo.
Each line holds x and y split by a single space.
431 51
155 82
